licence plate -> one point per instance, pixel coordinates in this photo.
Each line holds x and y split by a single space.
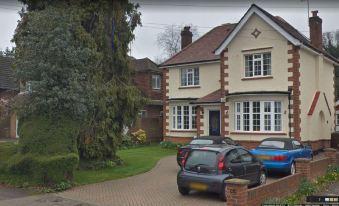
198 186
263 157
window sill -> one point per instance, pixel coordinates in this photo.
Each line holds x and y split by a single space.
178 130
260 133
257 78
189 87
156 90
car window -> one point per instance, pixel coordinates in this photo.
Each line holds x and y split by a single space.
232 156
296 144
272 144
202 141
202 158
228 141
245 156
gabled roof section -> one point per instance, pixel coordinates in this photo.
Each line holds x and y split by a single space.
7 80
279 24
144 65
268 18
202 49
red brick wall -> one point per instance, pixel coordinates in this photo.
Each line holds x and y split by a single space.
143 80
224 89
178 139
295 89
165 90
153 110
152 126
281 188
319 167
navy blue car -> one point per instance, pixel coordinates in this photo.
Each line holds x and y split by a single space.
279 154
206 168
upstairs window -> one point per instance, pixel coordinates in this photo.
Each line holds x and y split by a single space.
190 77
257 65
156 82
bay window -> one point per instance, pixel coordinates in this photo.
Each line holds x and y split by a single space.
184 117
258 116
190 77
258 64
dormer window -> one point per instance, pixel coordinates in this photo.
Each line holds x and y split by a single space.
258 65
190 77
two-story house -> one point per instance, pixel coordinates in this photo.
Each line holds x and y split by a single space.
147 78
255 79
8 89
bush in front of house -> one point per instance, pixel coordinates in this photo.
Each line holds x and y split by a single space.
139 136
170 145
47 151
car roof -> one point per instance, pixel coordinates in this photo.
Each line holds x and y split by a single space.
283 139
217 148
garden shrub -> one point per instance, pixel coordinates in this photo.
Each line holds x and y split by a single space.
139 136
170 145
44 135
47 150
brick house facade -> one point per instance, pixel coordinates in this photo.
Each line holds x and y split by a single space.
8 90
251 80
147 77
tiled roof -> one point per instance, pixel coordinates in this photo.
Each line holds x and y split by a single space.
145 64
7 80
211 97
202 49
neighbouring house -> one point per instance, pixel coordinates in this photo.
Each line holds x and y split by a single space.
8 89
251 80
147 77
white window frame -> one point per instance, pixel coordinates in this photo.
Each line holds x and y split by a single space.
175 117
261 61
188 77
156 82
272 114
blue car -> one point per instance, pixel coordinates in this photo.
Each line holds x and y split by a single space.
279 154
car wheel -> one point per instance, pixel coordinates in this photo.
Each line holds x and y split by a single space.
222 195
262 178
183 190
292 169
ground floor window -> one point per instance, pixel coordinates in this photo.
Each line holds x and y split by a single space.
184 117
258 116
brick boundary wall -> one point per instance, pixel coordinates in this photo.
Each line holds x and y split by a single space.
294 78
237 191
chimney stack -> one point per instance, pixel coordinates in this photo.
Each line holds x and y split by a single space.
316 34
186 37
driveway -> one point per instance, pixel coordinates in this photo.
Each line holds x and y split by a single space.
156 187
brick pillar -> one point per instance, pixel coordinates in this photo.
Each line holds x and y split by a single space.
303 166
224 81
165 96
332 154
237 192
197 120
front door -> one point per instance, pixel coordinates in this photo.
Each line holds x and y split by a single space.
214 123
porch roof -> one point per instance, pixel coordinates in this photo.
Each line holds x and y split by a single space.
213 97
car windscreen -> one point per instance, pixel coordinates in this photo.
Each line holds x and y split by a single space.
202 141
272 144
202 161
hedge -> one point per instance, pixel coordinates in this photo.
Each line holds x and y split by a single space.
47 170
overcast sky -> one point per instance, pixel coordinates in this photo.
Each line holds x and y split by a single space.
156 14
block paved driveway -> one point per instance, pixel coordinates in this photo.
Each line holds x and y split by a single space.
156 187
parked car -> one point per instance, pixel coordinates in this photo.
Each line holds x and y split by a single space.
200 141
279 154
206 168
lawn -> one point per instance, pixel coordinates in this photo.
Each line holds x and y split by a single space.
136 161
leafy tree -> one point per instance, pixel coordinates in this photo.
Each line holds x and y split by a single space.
331 43
8 52
74 54
170 41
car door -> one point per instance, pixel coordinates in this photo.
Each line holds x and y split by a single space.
234 164
251 166
297 149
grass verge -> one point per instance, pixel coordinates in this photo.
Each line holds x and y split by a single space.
136 161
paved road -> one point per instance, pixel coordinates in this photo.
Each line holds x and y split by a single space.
11 193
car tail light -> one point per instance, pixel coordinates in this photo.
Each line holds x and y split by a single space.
279 158
221 163
183 161
181 152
